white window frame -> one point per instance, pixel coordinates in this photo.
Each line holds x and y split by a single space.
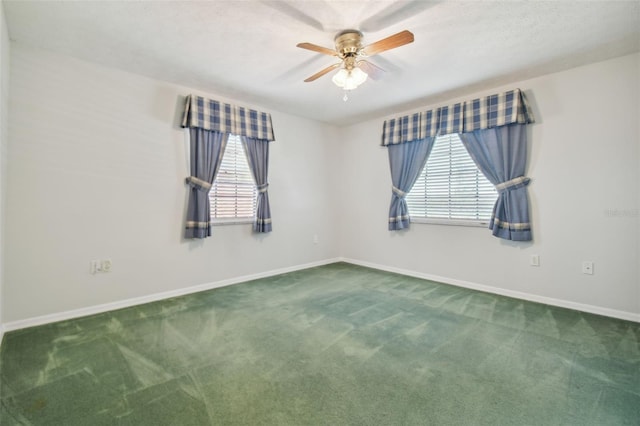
438 155
234 170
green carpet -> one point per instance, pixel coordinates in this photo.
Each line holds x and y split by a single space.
333 345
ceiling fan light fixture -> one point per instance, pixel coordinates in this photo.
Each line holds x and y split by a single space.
349 80
340 77
358 76
349 49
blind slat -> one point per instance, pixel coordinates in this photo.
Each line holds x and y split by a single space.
450 186
233 194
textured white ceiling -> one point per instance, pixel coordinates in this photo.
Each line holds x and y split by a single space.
246 50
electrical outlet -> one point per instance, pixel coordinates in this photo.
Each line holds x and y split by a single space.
315 239
535 260
97 265
587 267
106 265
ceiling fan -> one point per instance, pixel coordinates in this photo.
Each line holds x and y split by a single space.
349 49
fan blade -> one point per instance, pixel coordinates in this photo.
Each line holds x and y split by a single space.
323 72
372 70
295 13
316 48
394 14
391 42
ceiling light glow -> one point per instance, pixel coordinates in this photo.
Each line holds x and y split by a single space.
349 79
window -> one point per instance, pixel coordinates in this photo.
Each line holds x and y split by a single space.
233 194
451 189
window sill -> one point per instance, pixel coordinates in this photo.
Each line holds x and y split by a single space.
451 222
224 222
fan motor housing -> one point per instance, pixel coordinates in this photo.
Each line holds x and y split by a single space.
348 43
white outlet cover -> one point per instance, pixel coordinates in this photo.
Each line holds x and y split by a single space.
106 265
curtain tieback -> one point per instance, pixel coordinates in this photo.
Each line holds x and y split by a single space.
398 192
515 183
262 188
199 184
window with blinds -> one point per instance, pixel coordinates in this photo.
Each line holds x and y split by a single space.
450 188
233 194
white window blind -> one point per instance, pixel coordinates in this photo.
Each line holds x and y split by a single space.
233 194
450 187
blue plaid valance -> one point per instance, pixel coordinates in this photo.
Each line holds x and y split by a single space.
225 118
464 117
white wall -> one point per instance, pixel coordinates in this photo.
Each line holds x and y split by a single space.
584 164
4 120
97 171
98 163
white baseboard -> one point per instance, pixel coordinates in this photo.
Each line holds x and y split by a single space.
97 309
629 316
